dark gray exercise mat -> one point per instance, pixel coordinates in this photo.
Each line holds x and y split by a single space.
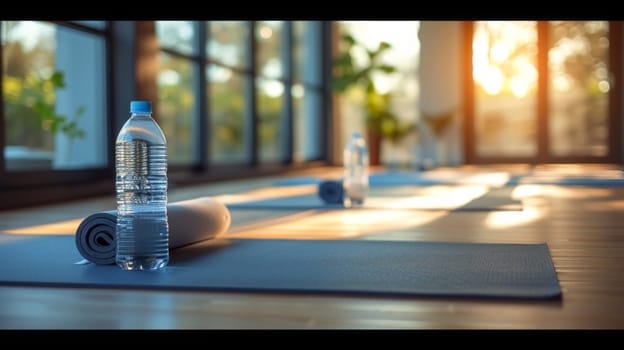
416 178
300 266
312 201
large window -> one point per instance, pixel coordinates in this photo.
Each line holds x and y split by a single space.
261 84
544 91
230 96
227 77
177 99
270 85
53 96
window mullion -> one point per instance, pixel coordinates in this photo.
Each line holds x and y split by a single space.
2 127
542 91
111 99
252 117
203 131
287 102
330 126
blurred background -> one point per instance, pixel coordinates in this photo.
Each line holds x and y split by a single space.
251 98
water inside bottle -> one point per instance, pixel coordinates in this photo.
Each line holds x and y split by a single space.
142 228
356 192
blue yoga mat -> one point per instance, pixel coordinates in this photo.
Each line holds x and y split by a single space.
313 201
567 181
403 178
397 178
310 201
361 267
376 179
296 181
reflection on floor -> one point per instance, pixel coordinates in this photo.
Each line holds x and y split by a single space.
447 190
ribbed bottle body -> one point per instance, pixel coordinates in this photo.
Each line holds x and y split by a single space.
141 187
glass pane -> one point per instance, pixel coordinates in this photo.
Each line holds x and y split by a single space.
94 24
578 88
270 101
227 42
54 91
268 36
227 116
177 108
305 92
396 93
504 63
307 123
177 35
307 52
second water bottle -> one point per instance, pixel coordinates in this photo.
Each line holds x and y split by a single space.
355 177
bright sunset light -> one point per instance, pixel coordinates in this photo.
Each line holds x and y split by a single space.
502 59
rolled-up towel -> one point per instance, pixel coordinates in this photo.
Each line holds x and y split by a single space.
331 192
190 221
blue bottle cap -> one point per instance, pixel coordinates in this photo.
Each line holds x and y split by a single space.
140 107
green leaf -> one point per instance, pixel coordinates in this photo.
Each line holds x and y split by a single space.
57 79
344 60
53 128
43 111
341 84
80 111
386 68
348 39
384 45
58 119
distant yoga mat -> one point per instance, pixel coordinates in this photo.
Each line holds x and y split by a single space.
567 181
313 201
396 178
190 221
299 180
394 268
403 178
375 179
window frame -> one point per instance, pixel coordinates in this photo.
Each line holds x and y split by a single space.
543 155
30 187
250 73
121 40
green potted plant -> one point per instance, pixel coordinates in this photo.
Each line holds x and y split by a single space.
380 121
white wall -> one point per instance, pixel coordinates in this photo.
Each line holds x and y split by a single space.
440 78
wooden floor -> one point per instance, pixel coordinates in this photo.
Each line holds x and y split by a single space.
583 226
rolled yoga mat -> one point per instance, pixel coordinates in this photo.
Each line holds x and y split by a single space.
331 192
190 221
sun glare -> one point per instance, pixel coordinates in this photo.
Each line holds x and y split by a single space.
502 58
266 32
500 52
491 79
604 86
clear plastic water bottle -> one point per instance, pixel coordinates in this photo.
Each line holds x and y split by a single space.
141 186
355 178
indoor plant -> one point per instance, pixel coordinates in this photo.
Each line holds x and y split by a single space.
381 122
